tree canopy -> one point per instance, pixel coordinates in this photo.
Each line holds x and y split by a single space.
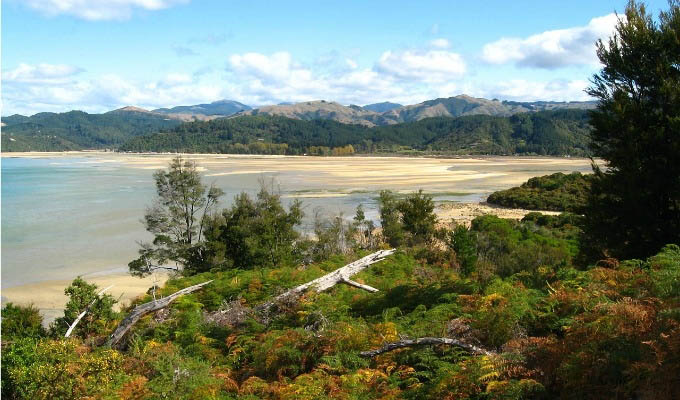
634 207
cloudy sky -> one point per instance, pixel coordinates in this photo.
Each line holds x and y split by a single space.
98 55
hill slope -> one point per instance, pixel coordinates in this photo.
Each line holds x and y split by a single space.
381 114
76 130
562 132
218 108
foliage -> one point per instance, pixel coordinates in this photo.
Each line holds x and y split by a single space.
634 208
84 296
556 192
410 219
561 132
177 218
77 130
462 242
21 322
59 369
254 233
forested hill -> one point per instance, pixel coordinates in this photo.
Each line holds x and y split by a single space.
558 133
75 130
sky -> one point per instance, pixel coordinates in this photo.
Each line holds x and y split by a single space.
96 55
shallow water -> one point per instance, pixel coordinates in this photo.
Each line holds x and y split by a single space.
79 214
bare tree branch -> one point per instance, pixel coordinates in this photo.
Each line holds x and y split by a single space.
340 275
82 314
143 309
426 341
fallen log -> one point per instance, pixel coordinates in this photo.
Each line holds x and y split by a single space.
340 275
82 314
426 341
146 308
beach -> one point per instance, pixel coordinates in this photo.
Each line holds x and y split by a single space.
82 215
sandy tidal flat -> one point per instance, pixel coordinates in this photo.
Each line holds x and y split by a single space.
78 213
50 299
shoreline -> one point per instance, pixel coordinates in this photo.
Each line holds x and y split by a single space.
459 178
49 297
45 154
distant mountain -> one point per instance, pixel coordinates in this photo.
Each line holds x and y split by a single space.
381 114
557 133
321 109
381 107
79 130
222 108
76 130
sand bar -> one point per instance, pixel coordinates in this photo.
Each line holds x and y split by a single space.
306 177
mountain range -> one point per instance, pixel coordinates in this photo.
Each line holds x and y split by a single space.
79 130
381 114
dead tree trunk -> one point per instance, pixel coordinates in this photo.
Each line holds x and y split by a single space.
146 308
426 341
340 275
82 314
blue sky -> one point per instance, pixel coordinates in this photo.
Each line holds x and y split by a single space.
96 55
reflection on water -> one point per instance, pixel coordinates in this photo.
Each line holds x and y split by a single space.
68 215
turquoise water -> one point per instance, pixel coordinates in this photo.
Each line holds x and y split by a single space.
65 216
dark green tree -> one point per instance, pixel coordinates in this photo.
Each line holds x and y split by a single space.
634 206
177 219
21 322
255 233
462 241
392 229
84 296
417 216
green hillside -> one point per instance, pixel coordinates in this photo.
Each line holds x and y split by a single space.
76 130
557 192
562 132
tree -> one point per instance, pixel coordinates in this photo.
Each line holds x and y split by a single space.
82 296
392 229
255 233
462 241
418 218
634 205
21 322
177 219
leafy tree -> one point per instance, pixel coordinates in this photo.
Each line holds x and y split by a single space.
462 242
21 322
83 296
392 229
177 219
417 216
255 233
634 207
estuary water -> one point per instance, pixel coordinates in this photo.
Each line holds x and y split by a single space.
70 214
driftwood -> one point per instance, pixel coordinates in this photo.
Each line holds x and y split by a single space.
426 341
82 314
146 308
340 275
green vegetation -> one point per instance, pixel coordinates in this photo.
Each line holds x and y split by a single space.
547 322
77 130
635 203
556 192
177 218
562 132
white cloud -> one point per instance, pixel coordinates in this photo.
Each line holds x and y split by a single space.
523 90
28 89
440 43
552 49
425 66
41 73
97 10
